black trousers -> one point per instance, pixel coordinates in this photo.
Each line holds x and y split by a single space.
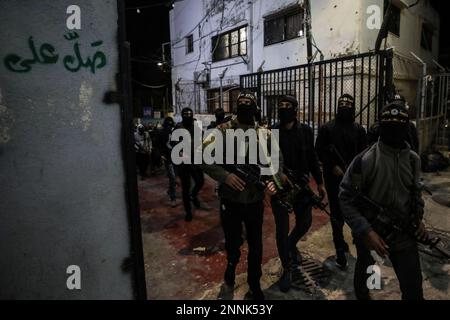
185 172
337 223
142 161
406 265
233 215
287 242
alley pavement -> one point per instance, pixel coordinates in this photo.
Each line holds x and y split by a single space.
186 260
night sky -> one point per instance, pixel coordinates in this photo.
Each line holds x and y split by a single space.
146 31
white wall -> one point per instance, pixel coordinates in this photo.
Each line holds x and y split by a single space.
339 28
187 15
62 181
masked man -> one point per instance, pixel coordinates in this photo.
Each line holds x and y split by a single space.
219 114
412 137
338 142
388 174
166 148
241 202
143 148
297 148
186 171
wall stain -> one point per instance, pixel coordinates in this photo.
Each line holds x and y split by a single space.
84 103
6 120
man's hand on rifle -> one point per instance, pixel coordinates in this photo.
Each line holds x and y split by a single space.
338 172
270 191
421 232
235 182
375 242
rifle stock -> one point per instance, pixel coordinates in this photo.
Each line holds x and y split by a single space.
300 187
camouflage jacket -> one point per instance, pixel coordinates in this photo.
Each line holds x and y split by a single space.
218 172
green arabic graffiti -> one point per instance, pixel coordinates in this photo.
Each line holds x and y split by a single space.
15 63
46 54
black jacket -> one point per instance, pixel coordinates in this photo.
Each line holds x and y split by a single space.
297 148
348 139
164 143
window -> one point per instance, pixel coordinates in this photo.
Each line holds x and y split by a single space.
230 44
426 40
284 26
394 25
229 99
189 44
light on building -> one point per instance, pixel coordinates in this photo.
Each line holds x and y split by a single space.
160 64
138 10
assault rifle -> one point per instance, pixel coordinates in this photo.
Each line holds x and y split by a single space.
388 223
335 153
298 187
251 175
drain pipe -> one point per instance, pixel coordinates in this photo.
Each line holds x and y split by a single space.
250 37
421 95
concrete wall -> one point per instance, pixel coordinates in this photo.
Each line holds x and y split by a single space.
62 182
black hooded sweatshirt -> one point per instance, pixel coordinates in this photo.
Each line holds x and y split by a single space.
297 148
349 139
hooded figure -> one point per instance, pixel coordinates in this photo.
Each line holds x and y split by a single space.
346 109
187 116
411 138
337 144
246 108
287 114
394 125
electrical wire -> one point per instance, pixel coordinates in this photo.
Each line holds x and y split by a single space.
195 27
149 86
218 97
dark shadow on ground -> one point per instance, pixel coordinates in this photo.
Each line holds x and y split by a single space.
225 293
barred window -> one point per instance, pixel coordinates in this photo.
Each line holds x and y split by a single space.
189 44
283 26
230 44
229 99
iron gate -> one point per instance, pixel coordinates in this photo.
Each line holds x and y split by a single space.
317 87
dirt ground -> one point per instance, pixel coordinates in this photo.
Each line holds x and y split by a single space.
186 260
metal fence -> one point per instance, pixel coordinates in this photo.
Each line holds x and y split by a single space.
433 111
317 87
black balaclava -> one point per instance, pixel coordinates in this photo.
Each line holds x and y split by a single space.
168 122
220 115
400 99
346 114
394 124
287 115
246 113
187 117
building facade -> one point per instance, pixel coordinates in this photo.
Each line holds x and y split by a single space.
214 42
